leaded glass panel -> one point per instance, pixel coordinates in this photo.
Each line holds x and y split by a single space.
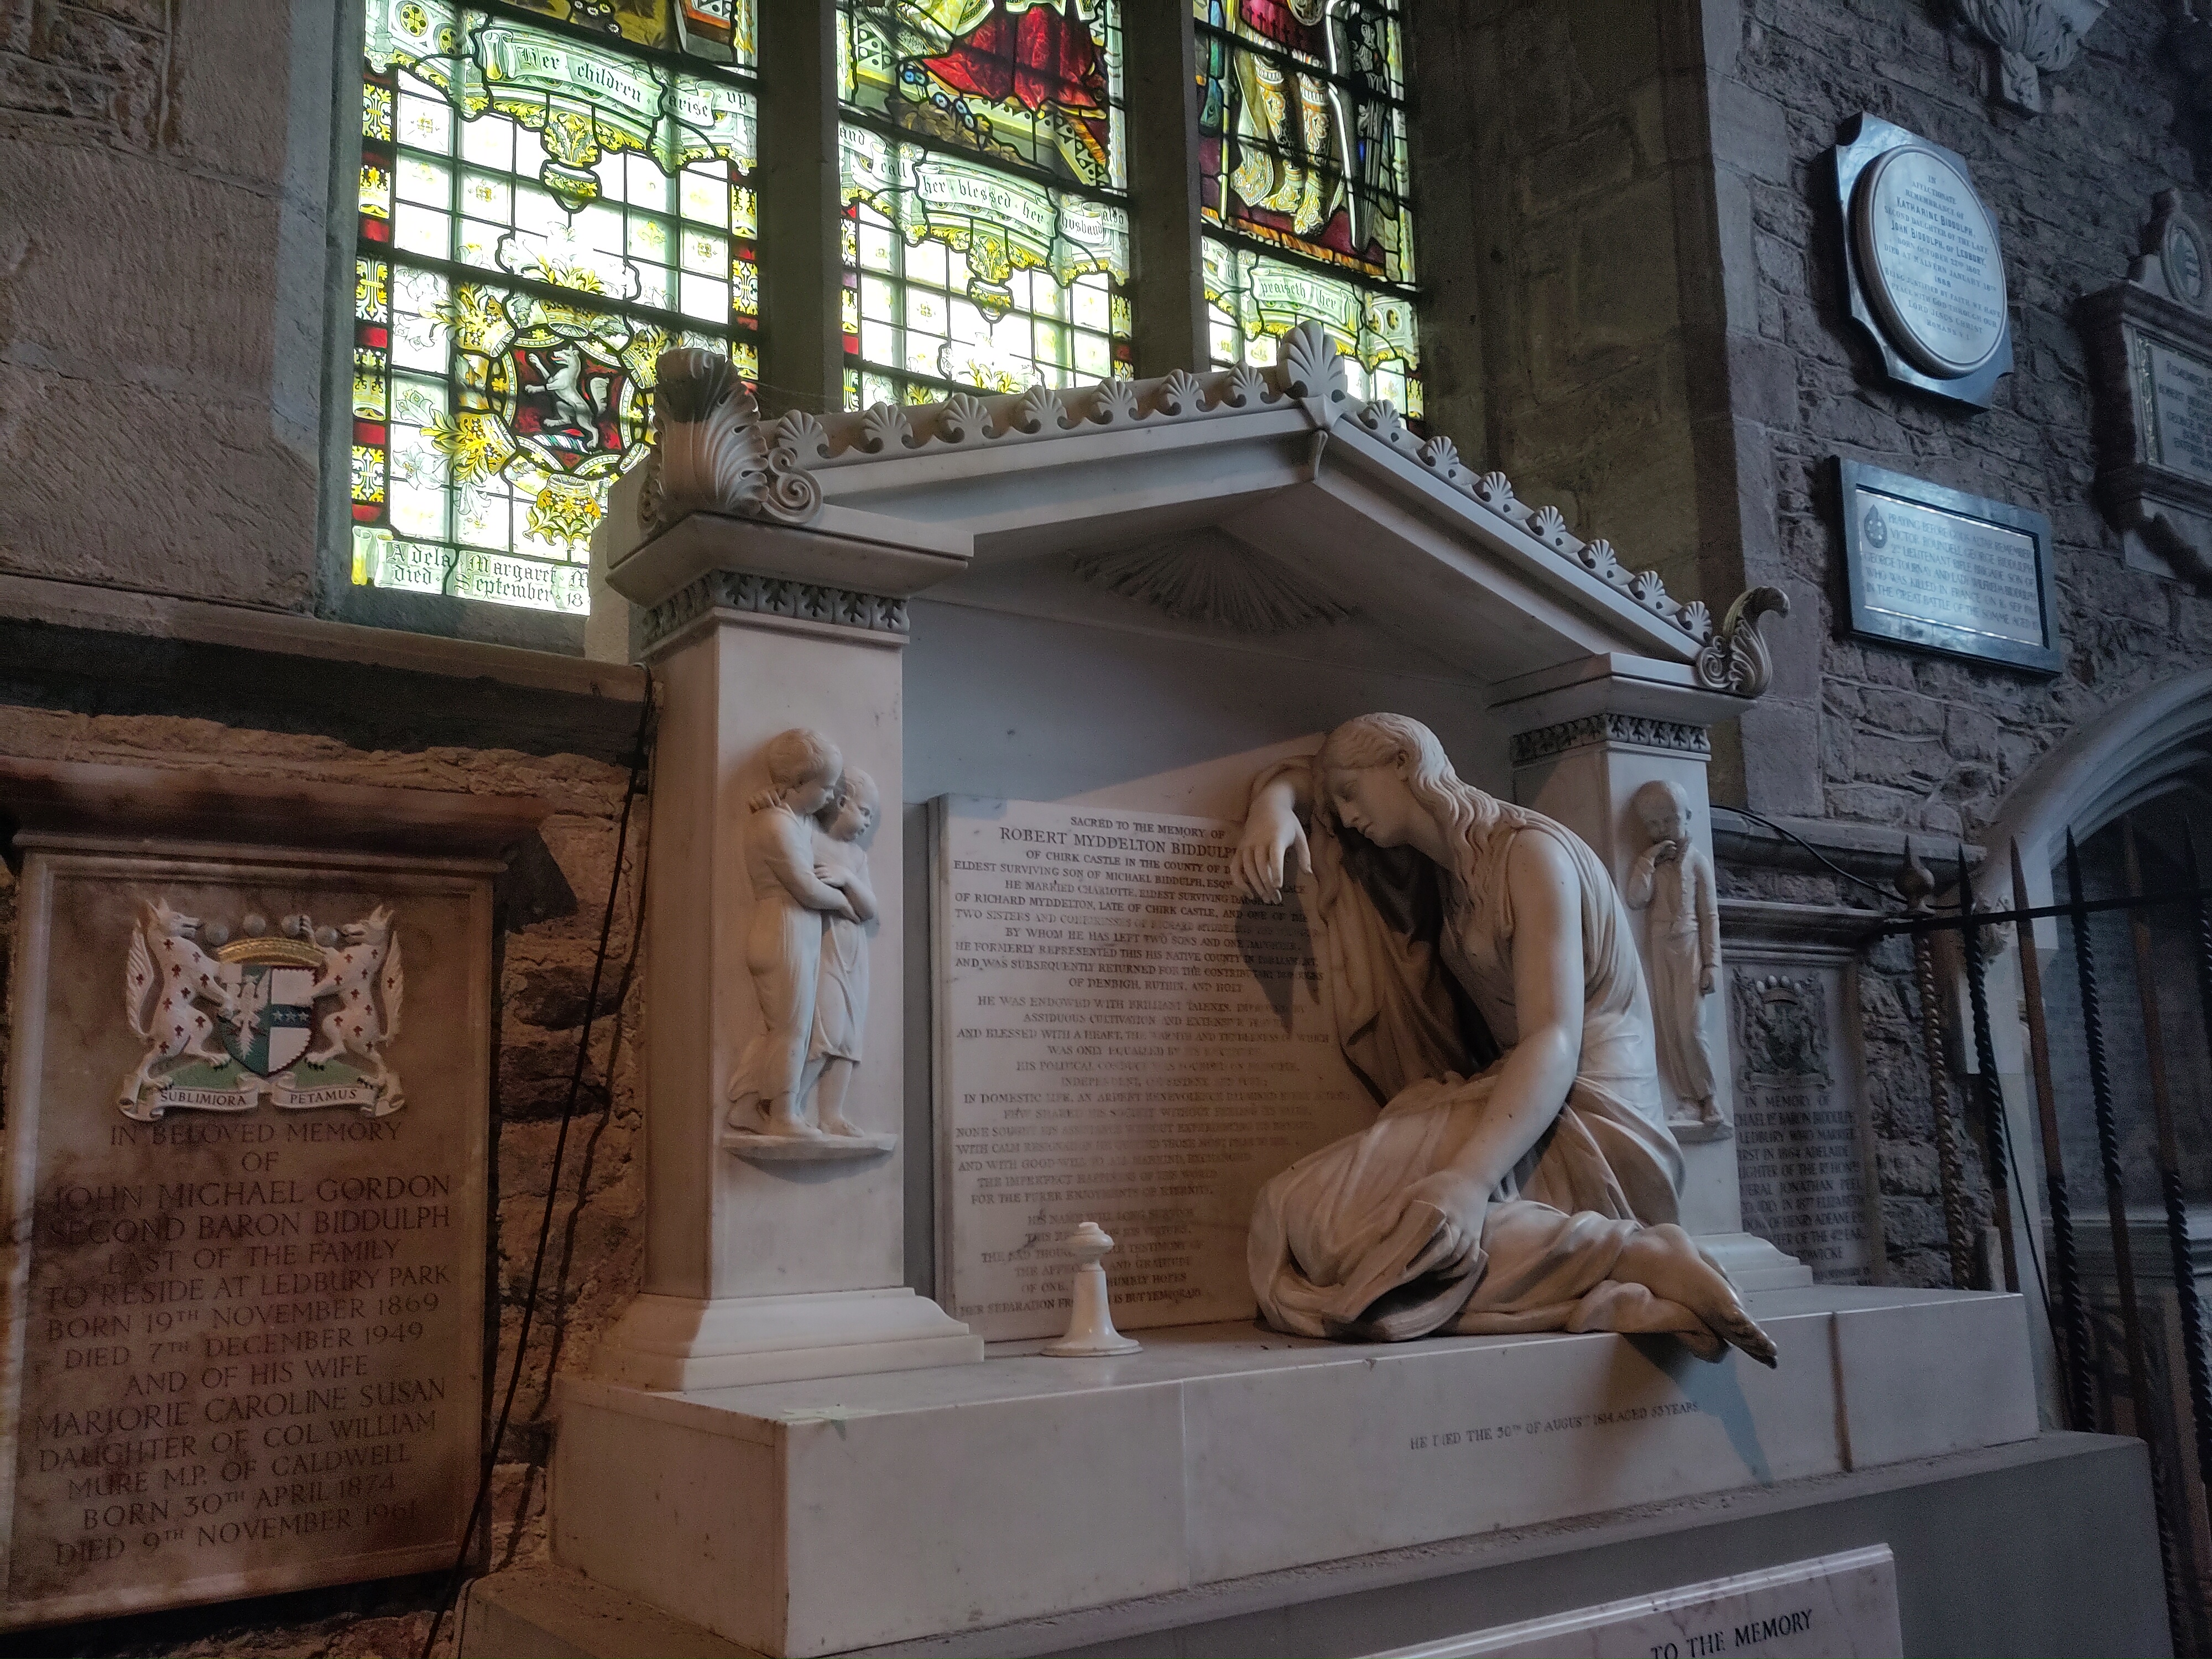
986 246
720 31
1303 130
1303 175
540 216
1253 300
1035 84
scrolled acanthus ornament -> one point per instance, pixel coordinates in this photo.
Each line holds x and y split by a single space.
1736 659
714 454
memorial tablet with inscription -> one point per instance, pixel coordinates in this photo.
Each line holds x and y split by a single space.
1831 1607
1930 254
247 1138
1923 265
2176 394
1121 1038
1946 571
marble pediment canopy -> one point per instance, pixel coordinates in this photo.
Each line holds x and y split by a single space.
1255 502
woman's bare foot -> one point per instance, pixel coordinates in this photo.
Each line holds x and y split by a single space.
835 1123
1705 1344
1663 1259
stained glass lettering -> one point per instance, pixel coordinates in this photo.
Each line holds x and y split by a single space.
961 276
1303 175
540 218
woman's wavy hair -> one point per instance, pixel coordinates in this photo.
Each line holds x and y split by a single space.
1462 810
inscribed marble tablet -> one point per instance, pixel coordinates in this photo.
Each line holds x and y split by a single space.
247 1345
1803 1141
1831 1607
1120 1039
1933 270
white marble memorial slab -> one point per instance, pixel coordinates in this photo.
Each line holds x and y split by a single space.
1831 1606
1120 1039
857 1510
1929 253
2177 391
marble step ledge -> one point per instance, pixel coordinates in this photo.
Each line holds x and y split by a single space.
808 1518
673 1343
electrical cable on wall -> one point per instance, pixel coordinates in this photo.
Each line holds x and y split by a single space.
640 762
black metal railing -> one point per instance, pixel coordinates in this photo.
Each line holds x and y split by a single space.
2159 1404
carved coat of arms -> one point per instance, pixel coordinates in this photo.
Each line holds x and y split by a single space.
300 1014
1782 1028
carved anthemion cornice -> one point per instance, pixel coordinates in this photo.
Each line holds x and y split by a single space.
771 596
716 454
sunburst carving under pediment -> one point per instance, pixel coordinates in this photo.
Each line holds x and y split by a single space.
1213 579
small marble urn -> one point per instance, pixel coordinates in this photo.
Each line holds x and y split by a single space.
1090 1332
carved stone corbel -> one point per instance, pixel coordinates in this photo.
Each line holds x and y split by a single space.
2030 39
713 454
1736 659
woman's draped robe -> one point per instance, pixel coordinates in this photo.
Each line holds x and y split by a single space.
1606 1167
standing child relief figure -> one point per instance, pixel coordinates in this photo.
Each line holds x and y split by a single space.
1672 880
805 845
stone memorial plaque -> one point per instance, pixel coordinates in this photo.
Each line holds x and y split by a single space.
1804 1143
1120 1039
2175 391
245 1169
1932 260
1946 571
1831 1607
2148 342
1924 267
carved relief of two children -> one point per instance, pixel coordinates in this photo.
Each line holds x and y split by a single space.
805 841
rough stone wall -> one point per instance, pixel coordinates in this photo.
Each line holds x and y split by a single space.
146 440
1862 733
1572 182
102 67
596 1245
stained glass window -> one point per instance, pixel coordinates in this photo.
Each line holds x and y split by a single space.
1302 182
1253 299
543 210
984 153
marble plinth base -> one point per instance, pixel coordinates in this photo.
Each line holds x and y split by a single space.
1753 1264
676 1343
2041 1548
810 1518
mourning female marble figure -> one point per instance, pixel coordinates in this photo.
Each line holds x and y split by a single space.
1537 1192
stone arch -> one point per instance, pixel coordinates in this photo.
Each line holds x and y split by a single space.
2147 745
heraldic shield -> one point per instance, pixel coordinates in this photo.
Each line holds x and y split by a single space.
298 1016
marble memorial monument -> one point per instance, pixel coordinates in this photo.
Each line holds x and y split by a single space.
1403 1084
